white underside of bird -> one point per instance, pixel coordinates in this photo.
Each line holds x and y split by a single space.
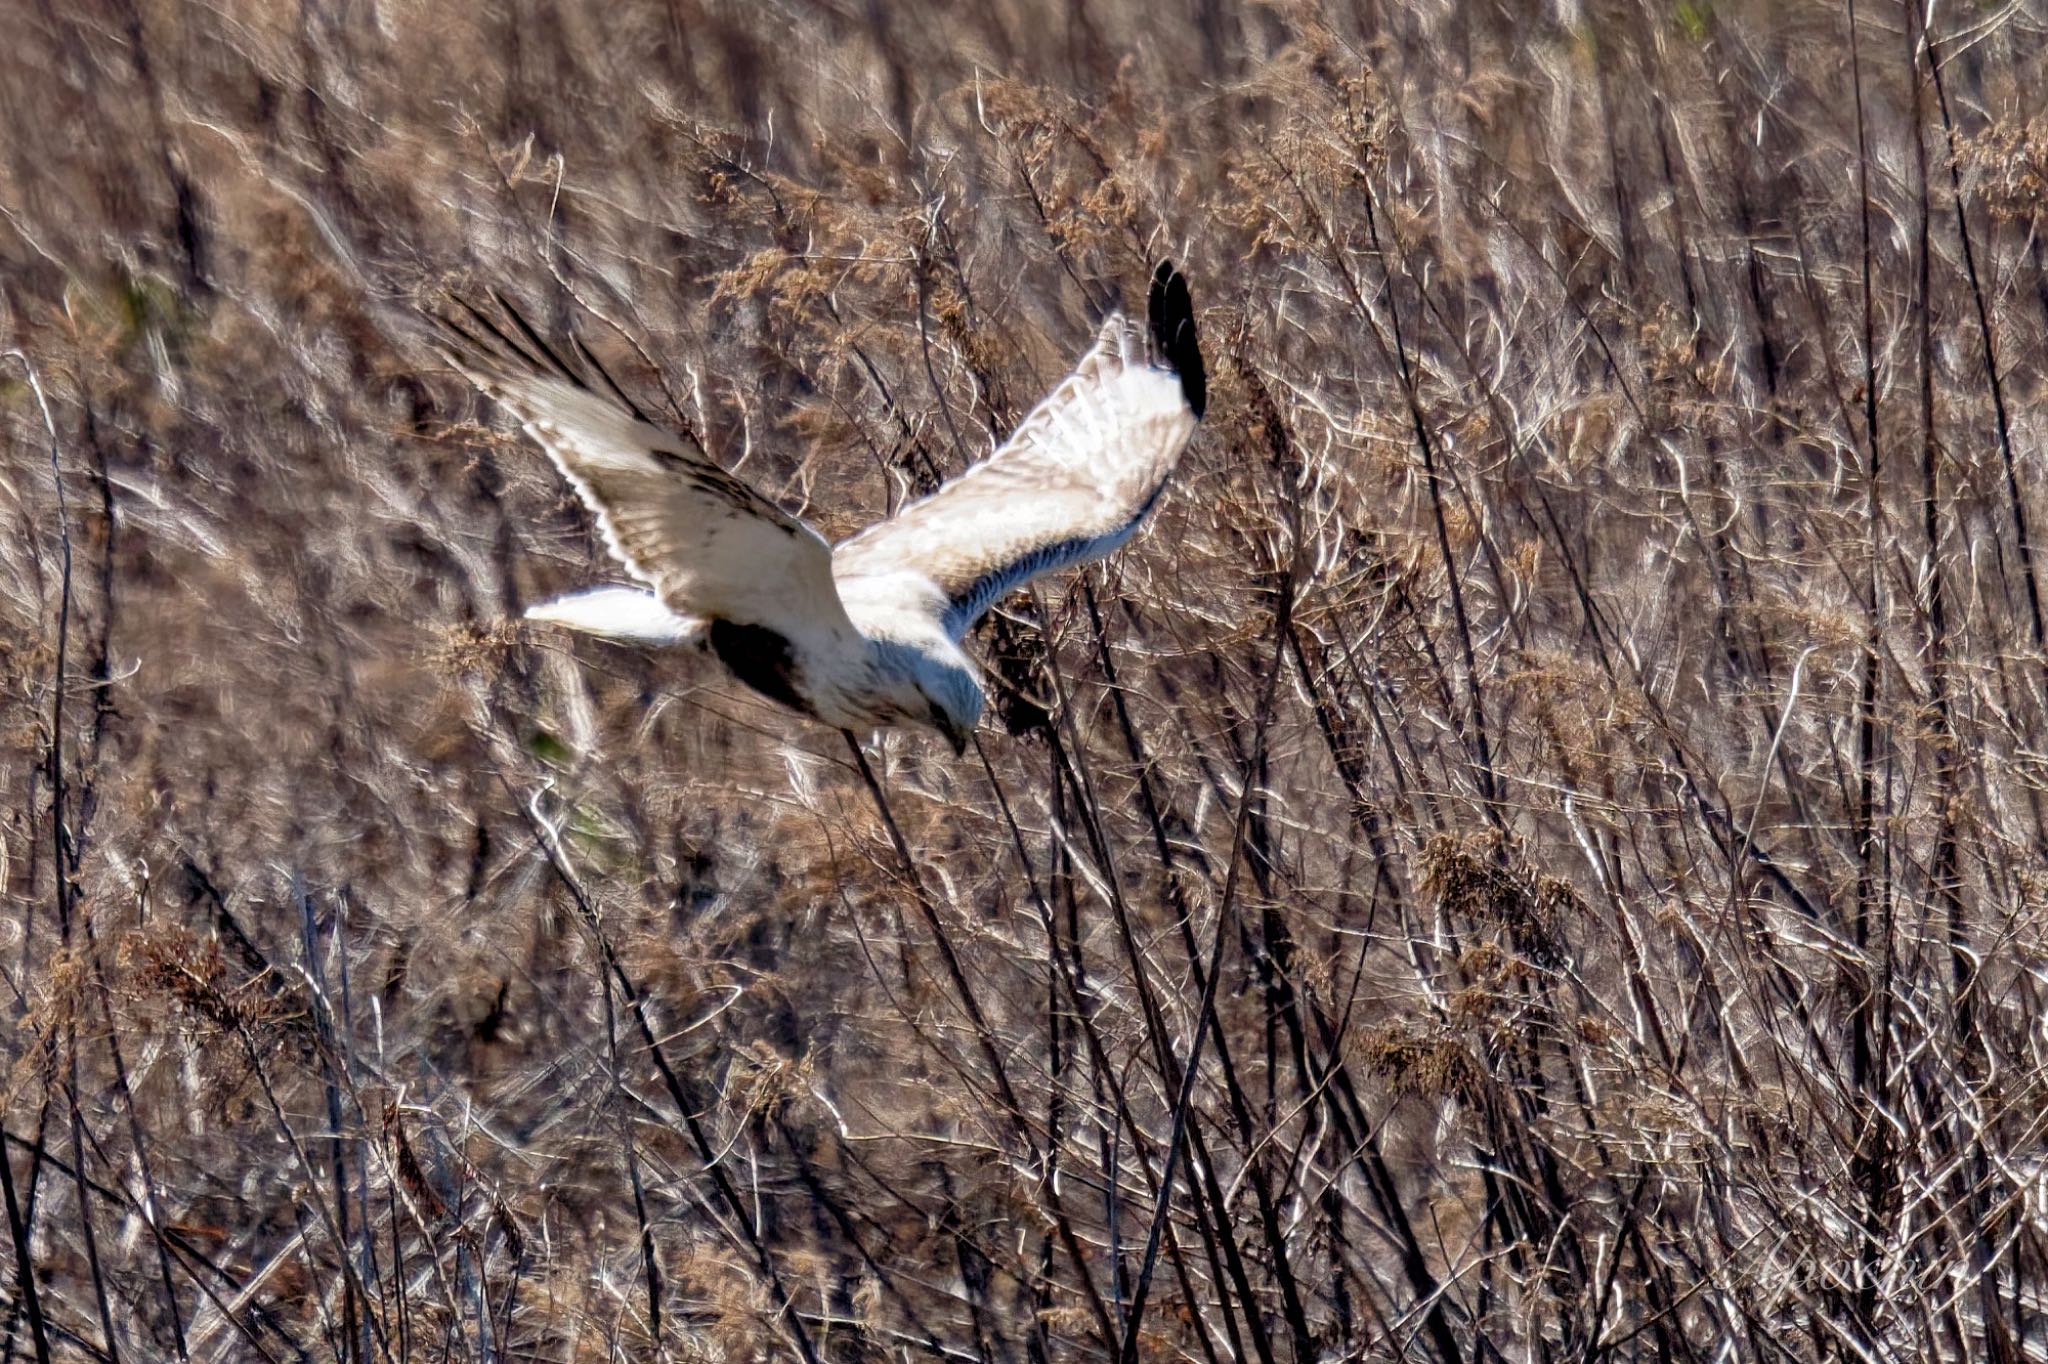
865 633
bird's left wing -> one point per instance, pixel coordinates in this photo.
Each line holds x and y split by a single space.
1072 483
707 544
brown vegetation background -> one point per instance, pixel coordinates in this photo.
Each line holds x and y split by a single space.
1566 759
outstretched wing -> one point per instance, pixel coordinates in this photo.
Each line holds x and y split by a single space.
706 543
1072 483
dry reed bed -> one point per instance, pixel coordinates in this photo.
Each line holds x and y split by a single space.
1566 762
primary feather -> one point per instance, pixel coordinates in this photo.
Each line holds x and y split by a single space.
867 633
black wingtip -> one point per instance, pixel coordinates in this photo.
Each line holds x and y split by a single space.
1172 314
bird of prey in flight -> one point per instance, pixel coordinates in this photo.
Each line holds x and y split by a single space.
867 632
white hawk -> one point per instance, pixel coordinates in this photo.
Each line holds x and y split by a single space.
867 632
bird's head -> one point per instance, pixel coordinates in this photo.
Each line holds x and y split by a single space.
931 681
953 699
922 673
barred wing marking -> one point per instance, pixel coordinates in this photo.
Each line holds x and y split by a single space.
709 545
1072 483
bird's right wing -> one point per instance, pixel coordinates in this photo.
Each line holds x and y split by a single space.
706 543
1073 482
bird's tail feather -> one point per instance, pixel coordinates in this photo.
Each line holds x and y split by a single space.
628 615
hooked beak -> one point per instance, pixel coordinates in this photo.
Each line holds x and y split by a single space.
958 736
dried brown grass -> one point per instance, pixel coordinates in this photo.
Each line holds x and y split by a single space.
1578 720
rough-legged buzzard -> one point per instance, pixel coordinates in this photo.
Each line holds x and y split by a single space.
866 632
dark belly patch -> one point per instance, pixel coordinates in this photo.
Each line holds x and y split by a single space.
761 658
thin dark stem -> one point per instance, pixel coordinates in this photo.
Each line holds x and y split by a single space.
1013 1110
636 1003
1225 911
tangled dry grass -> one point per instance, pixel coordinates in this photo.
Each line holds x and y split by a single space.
1537 855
